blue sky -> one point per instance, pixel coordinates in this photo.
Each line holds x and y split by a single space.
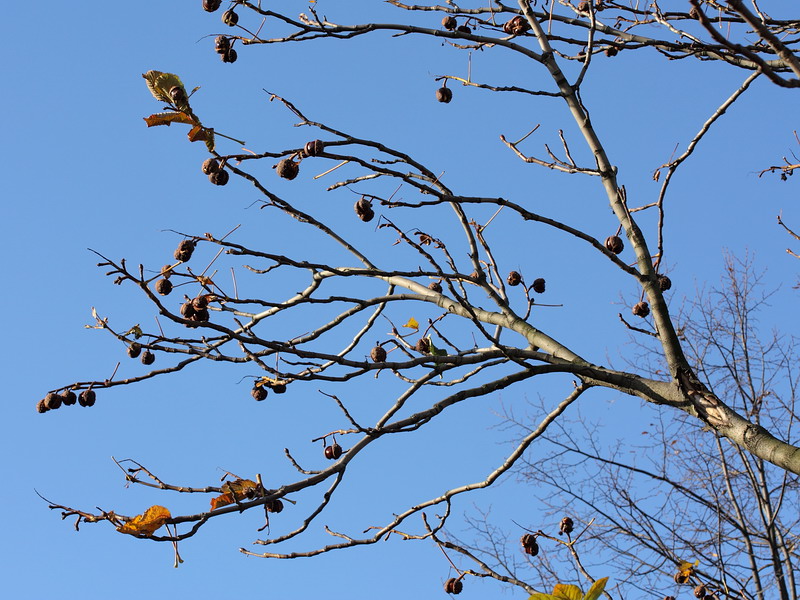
82 171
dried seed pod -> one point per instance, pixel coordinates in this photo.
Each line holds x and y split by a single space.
435 286
201 316
52 401
453 586
681 577
210 165
287 169
700 591
363 208
641 309
583 6
514 278
274 506
221 44
134 350
230 18
278 388
333 451
611 51
259 392
178 95
464 29
221 177
378 354
449 22
68 397
187 310
669 597
538 285
529 545
444 95
664 283
314 147
87 397
614 244
516 26
422 346
164 287
148 358
184 250
166 271
229 56
566 526
41 407
211 5
200 302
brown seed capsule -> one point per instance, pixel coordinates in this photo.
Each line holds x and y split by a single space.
664 283
453 586
200 302
278 388
187 310
333 452
529 545
464 29
378 354
435 286
514 278
610 51
583 6
700 591
422 346
669 597
166 271
201 316
287 168
221 44
178 95
134 350
516 26
566 526
148 358
363 208
68 397
614 244
538 285
641 309
52 401
184 250
274 506
449 22
221 177
87 398
259 392
164 287
41 407
681 577
210 165
229 56
211 5
444 95
230 18
314 147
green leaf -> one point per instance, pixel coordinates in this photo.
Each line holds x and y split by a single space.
160 84
434 350
564 591
596 590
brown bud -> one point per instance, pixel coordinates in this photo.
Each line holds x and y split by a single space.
134 350
87 398
274 506
538 285
422 346
68 397
314 147
641 309
664 283
41 407
516 26
230 18
52 401
287 168
700 591
184 250
614 244
566 526
229 56
211 5
435 286
148 358
378 354
164 287
221 177
529 545
221 44
453 586
259 392
444 94
210 165
449 22
333 452
514 278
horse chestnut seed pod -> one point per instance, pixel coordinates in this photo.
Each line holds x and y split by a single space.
287 169
148 358
664 283
201 316
464 29
566 526
221 177
333 452
529 544
435 286
187 310
274 506
164 287
700 591
41 407
230 18
514 278
313 147
210 165
166 271
444 94
52 401
516 26
363 208
538 285
681 577
200 302
87 398
68 397
449 22
184 250
221 44
453 586
614 244
422 346
259 392
134 350
178 95
211 5
229 56
641 309
378 354
278 388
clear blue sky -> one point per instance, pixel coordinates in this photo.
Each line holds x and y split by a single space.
81 171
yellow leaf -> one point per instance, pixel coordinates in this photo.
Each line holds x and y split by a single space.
567 592
412 324
167 118
146 523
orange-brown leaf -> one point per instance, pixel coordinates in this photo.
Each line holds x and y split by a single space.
197 134
222 500
168 118
233 491
146 523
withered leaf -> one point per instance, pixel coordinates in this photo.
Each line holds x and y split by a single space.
146 523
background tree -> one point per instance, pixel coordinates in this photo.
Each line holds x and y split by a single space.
318 320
